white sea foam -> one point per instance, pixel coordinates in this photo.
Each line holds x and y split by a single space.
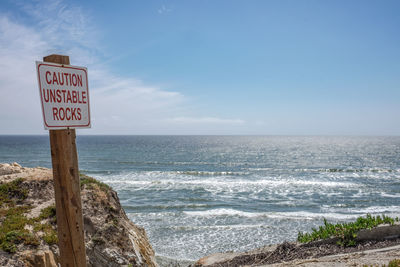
390 195
299 215
304 215
375 210
294 215
271 182
222 212
219 227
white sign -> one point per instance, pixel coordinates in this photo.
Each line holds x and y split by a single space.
64 95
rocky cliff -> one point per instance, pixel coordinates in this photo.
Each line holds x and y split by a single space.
28 234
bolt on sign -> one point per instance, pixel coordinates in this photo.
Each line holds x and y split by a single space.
64 95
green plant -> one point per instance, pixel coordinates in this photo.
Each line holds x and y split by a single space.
392 263
98 239
49 213
115 222
346 232
13 220
12 229
8 247
12 238
12 192
89 181
50 236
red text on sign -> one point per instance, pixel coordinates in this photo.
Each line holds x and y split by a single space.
64 96
60 78
66 113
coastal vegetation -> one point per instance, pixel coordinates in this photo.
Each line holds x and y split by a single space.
345 232
392 263
89 182
15 223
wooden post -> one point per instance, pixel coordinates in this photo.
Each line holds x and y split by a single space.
64 158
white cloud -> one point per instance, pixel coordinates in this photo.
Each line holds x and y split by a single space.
163 9
116 102
129 105
20 46
66 28
119 105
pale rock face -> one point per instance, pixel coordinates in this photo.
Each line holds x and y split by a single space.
42 258
111 238
10 168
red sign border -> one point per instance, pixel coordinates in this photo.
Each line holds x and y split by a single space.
41 97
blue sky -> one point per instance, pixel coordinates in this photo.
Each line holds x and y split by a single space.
210 67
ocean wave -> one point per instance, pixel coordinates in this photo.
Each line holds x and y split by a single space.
173 174
390 195
162 207
375 210
372 170
222 212
177 163
347 214
305 215
231 183
217 227
360 211
209 173
295 215
327 170
95 172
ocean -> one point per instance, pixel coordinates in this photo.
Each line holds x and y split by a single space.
197 195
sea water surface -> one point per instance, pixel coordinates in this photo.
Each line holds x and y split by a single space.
197 195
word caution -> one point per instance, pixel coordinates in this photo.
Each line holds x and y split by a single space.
64 96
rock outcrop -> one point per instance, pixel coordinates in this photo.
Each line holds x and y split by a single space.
28 225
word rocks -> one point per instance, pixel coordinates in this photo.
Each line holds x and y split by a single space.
64 95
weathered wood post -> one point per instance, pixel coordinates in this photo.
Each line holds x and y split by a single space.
67 187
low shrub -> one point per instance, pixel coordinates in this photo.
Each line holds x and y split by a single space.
346 232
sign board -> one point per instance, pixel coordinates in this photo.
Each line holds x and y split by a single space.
64 95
